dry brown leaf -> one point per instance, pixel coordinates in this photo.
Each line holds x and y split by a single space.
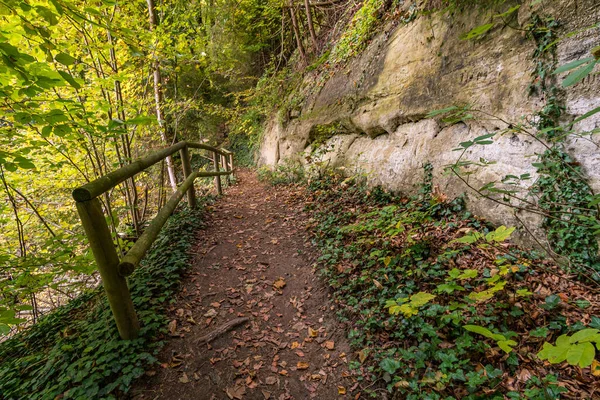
595 368
312 333
173 327
184 378
271 380
341 390
302 365
211 313
362 355
279 284
266 394
236 392
330 345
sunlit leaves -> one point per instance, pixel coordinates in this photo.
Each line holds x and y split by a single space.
409 306
65 59
501 340
576 349
477 32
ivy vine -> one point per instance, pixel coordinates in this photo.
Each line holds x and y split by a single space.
562 190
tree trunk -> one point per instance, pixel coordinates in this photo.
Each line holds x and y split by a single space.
296 32
130 187
311 27
159 100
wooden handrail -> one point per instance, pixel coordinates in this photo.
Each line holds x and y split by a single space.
113 271
112 179
133 257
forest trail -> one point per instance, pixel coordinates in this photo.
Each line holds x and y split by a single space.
253 259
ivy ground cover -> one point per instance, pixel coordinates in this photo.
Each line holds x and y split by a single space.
440 305
75 352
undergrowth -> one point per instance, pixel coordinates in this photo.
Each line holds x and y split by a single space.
283 174
75 352
563 191
438 304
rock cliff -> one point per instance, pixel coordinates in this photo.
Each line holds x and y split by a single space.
371 116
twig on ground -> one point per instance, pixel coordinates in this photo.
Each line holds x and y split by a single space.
226 327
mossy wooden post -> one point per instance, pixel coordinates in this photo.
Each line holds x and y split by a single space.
187 171
218 177
115 285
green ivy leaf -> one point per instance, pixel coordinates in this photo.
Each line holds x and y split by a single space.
468 274
390 365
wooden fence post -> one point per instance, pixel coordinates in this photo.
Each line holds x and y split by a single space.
115 285
231 164
225 159
217 178
187 171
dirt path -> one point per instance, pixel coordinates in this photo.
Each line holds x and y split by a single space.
253 260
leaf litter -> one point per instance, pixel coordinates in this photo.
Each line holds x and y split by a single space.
291 346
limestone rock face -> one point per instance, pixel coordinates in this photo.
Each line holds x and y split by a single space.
382 97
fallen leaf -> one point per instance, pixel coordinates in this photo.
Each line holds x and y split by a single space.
295 345
184 378
330 345
524 375
271 380
279 284
173 327
362 355
341 390
312 333
302 365
236 392
595 368
211 313
266 394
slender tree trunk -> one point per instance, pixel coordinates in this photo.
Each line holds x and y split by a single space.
296 32
130 188
311 27
158 98
33 208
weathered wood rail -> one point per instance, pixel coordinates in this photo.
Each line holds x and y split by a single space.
113 271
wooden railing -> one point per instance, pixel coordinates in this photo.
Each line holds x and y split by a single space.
114 271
